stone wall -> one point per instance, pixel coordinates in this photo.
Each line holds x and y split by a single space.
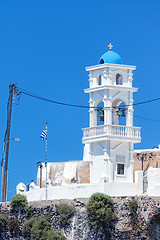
79 226
62 173
151 159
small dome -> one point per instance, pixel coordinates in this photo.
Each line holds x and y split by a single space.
110 57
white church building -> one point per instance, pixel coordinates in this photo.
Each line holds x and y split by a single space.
107 164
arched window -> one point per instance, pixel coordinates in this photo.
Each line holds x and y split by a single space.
119 79
100 113
99 80
122 114
101 61
119 113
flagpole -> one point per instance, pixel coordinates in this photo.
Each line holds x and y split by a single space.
46 160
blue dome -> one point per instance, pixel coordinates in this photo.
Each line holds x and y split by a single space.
110 57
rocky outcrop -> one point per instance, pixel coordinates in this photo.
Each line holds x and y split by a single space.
126 226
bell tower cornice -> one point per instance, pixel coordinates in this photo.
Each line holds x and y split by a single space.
112 66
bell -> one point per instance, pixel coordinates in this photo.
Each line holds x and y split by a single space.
123 113
119 112
102 119
101 114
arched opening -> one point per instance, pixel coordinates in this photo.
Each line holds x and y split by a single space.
99 80
100 114
119 79
119 113
101 61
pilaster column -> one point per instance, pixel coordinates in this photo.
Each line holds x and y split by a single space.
105 76
107 109
107 158
91 162
110 168
91 111
90 79
129 111
131 161
110 77
130 78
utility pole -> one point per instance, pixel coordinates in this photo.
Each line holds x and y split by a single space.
46 158
2 163
9 110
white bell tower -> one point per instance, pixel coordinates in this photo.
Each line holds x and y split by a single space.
109 147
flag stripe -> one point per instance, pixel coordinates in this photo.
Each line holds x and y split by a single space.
44 134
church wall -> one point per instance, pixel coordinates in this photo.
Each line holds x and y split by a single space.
72 191
120 155
99 164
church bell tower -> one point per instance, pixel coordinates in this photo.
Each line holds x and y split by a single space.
109 139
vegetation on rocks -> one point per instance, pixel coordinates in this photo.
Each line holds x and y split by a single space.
55 236
13 225
133 206
65 211
18 203
3 222
28 224
29 211
39 229
100 211
136 218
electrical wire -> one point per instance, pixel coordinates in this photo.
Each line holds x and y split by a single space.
52 101
149 119
88 107
75 105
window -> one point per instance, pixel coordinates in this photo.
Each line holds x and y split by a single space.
101 61
99 80
119 79
100 114
120 168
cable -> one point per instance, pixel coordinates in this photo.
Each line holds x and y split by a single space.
52 101
152 100
80 106
149 119
88 107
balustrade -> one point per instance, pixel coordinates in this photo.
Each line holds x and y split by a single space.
112 130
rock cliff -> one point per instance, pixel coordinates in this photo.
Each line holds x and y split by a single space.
142 224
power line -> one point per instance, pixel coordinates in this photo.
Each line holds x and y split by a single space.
80 106
151 100
88 107
52 101
144 118
149 119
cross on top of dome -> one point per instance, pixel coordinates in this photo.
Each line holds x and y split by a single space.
110 46
110 57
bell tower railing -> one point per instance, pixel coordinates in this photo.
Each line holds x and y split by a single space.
113 131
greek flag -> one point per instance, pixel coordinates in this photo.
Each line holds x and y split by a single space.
44 134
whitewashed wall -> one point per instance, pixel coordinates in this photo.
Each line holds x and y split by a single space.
73 191
153 175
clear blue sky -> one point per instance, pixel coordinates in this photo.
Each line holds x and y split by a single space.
45 47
